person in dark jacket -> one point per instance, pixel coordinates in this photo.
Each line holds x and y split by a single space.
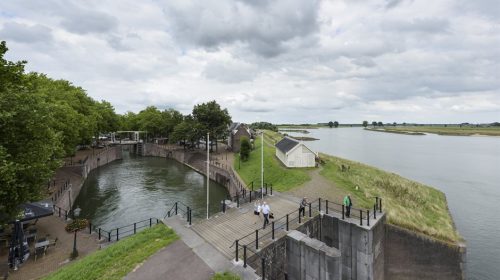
302 206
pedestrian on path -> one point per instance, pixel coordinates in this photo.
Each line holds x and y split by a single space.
302 207
265 211
257 208
348 205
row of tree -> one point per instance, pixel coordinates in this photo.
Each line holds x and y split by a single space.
41 121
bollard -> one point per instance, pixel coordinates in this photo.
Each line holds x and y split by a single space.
326 206
244 256
343 211
374 212
310 212
272 230
237 250
135 228
256 239
117 234
286 222
360 217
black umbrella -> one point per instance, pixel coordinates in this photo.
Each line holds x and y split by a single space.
18 250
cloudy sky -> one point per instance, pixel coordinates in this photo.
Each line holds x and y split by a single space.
280 61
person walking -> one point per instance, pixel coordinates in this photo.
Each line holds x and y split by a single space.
265 212
256 211
302 206
348 205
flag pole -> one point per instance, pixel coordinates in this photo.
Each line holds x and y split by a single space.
208 170
262 167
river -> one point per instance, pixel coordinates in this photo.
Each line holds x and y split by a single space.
137 188
465 168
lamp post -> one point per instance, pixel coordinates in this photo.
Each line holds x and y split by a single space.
76 213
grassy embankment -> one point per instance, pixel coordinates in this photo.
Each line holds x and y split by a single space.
225 276
275 172
408 204
119 259
449 130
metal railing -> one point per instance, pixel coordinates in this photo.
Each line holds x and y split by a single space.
120 232
253 242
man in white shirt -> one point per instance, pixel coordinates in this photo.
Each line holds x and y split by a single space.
265 211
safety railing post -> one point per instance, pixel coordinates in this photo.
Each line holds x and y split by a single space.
319 204
109 236
135 228
360 217
374 212
256 239
380 206
251 195
244 256
190 216
176 208
224 206
368 217
117 235
286 222
271 189
272 229
90 228
310 210
263 260
237 250
99 232
238 201
299 217
343 211
150 222
326 206
376 201
187 214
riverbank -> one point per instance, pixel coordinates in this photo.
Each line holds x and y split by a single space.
394 131
443 130
409 204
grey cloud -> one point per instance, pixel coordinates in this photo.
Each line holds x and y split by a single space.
26 33
264 28
426 25
84 21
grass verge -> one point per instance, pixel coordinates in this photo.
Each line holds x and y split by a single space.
225 276
275 172
408 204
119 259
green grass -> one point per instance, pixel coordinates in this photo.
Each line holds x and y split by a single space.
225 276
450 130
275 172
408 204
117 260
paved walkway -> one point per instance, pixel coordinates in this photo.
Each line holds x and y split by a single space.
56 256
176 261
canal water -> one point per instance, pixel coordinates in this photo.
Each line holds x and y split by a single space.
138 188
465 168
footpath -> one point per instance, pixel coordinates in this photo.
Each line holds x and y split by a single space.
191 257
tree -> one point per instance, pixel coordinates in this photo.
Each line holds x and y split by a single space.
380 124
151 121
212 119
264 125
330 124
336 124
187 131
374 123
365 123
245 148
394 123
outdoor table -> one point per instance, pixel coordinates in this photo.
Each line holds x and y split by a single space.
42 243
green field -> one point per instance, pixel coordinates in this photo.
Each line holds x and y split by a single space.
408 204
276 173
449 130
119 259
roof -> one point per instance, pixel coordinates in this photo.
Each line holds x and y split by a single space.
286 144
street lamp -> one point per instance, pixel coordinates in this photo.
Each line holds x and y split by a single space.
76 213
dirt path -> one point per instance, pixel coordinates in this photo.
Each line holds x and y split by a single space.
317 187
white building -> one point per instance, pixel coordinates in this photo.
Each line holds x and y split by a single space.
294 153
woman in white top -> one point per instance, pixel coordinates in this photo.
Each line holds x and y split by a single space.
257 208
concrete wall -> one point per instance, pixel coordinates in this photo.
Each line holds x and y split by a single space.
409 256
80 172
311 259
